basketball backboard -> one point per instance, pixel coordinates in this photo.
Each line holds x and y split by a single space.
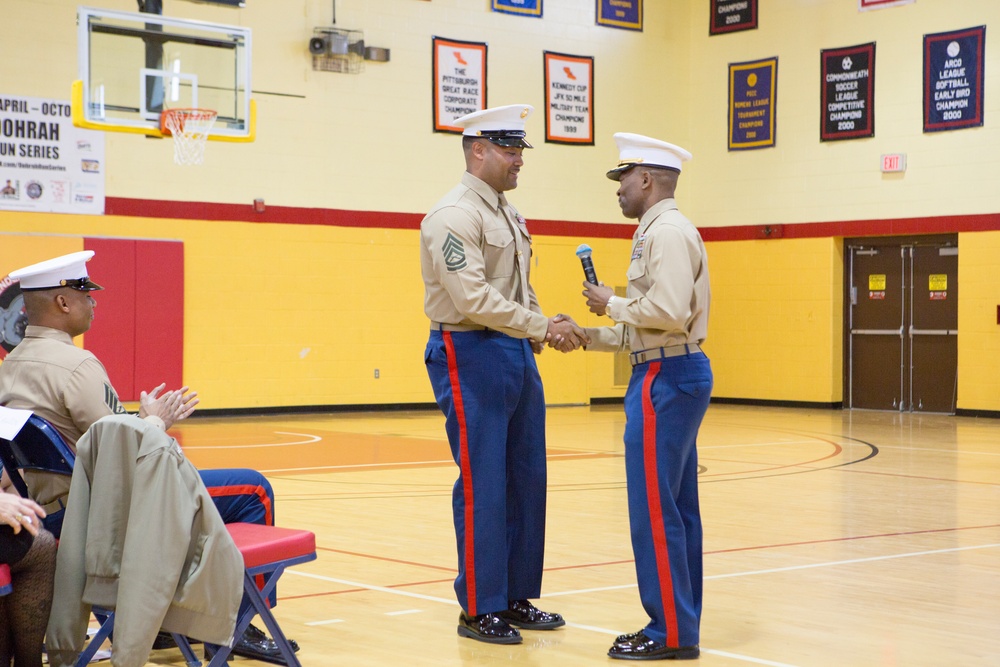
135 66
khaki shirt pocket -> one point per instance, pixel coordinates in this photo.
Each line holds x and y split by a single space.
636 270
498 253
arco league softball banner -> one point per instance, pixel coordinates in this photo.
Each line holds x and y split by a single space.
953 79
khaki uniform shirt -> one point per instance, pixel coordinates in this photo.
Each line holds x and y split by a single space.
64 385
667 299
475 257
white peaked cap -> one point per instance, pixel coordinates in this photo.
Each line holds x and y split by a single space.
636 149
65 271
501 125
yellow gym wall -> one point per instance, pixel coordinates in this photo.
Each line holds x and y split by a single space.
302 314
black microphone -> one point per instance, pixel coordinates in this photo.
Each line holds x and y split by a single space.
583 252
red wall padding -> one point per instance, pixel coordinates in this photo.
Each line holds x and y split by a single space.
138 330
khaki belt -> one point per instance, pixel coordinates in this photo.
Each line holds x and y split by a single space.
655 353
440 326
55 505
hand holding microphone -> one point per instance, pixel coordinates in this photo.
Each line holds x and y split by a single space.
584 252
598 295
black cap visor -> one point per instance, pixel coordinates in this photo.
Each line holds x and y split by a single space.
80 284
616 173
506 138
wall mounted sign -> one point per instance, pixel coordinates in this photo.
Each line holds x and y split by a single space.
753 93
625 14
732 16
953 79
569 99
847 92
522 7
459 81
865 5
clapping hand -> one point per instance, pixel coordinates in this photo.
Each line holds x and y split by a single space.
171 407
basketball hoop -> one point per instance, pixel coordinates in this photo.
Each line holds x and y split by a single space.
189 128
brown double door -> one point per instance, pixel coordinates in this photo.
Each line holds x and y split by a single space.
902 315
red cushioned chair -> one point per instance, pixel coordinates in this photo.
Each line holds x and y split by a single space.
267 550
5 587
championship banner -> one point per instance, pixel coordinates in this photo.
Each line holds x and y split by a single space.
732 16
625 14
753 95
569 99
953 79
865 5
459 81
522 7
848 92
47 164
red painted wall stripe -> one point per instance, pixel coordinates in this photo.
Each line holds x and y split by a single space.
181 210
466 468
660 546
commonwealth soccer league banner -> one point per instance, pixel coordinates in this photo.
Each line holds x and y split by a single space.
953 79
848 92
753 95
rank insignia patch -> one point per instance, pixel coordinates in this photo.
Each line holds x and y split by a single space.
454 253
111 400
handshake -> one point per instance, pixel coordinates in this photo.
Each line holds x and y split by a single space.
563 334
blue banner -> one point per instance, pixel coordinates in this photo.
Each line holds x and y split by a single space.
753 93
620 14
522 7
953 79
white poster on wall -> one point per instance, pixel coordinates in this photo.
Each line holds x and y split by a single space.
46 162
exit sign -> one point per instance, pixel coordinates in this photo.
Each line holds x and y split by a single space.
894 162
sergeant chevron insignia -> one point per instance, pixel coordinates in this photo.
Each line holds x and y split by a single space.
454 253
111 400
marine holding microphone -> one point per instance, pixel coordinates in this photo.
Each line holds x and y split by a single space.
662 321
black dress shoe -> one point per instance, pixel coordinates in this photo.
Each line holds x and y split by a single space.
487 628
258 646
525 615
637 646
166 640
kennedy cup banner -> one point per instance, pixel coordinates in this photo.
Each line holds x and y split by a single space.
848 92
569 99
522 7
47 164
732 16
753 95
459 81
953 79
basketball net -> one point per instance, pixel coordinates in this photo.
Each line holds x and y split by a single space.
189 128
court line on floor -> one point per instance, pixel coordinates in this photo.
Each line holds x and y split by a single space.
454 603
395 464
789 568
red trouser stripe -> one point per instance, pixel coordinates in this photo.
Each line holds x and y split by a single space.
248 490
655 512
466 470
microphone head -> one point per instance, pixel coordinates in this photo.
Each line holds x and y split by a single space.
583 250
